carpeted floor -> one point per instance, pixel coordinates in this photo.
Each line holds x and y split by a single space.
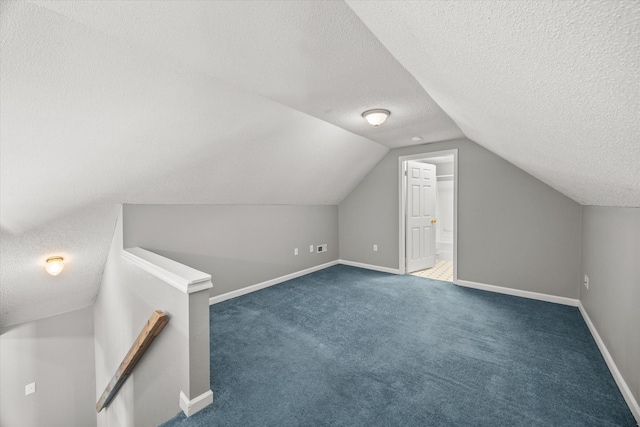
351 347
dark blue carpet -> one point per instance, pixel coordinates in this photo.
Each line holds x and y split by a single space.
351 347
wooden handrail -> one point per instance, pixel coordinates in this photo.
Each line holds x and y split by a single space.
154 326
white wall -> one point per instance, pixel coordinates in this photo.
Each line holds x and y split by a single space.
239 245
444 214
611 259
126 299
57 354
513 230
444 207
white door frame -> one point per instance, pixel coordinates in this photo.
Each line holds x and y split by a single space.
401 203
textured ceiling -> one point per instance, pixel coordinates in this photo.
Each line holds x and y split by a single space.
27 291
94 113
316 57
553 87
258 102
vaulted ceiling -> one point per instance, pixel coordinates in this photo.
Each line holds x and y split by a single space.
104 103
551 86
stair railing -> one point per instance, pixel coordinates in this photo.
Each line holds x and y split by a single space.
149 332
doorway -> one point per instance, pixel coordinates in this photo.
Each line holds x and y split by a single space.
428 215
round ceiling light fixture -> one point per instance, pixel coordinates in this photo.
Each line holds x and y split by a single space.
55 265
416 138
376 117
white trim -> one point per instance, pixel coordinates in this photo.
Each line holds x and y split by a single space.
617 376
180 276
257 287
370 266
519 293
401 194
190 407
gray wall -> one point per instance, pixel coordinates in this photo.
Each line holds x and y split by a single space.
239 245
126 299
56 353
513 230
611 259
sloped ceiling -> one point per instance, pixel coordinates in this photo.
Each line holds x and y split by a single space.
553 87
179 102
315 57
259 102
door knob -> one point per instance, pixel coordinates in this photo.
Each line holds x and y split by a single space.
433 220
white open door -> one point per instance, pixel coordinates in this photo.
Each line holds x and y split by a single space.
420 224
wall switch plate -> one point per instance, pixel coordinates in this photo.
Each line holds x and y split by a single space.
311 248
295 251
586 281
322 248
29 389
375 248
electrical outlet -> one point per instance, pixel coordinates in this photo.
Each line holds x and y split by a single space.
322 248
29 389
586 281
375 248
295 251
311 248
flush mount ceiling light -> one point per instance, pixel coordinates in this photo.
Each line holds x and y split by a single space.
416 138
376 117
55 265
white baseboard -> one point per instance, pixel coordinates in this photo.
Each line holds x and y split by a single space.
519 293
190 407
622 385
257 287
369 266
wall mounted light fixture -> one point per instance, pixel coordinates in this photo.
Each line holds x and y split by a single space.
376 117
55 265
